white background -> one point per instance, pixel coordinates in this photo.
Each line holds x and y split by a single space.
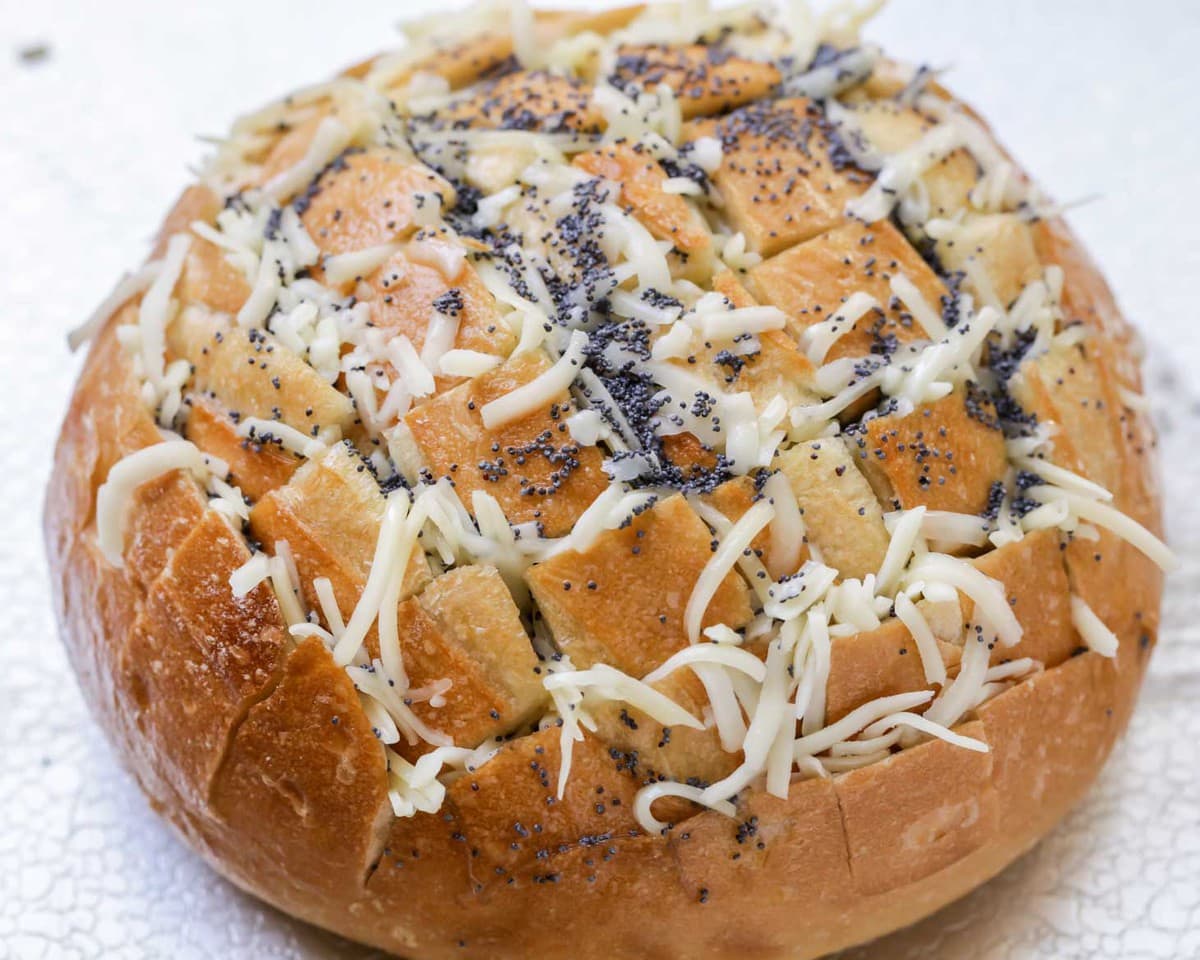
1097 98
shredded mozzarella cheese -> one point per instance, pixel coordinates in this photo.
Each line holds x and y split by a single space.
987 594
267 431
539 392
856 720
1096 635
155 311
331 138
115 494
644 804
733 544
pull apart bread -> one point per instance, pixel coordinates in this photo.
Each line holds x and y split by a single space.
647 483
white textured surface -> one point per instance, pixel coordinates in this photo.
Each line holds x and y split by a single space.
1095 97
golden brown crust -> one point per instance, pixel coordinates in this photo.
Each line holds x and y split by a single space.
259 753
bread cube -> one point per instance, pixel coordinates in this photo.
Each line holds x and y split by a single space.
841 513
944 455
705 80
253 376
810 282
782 179
621 601
532 466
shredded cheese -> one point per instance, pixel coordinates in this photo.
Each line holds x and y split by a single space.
1112 520
289 438
1098 637
987 594
921 724
719 654
127 474
467 363
856 720
345 267
646 797
397 540
931 657
962 694
330 139
539 392
155 310
733 545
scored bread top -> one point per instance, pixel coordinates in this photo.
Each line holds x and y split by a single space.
608 405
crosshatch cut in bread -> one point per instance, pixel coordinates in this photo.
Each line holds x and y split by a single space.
654 482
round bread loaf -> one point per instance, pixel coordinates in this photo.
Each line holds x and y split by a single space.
651 483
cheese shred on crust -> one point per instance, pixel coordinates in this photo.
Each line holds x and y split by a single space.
115 495
539 392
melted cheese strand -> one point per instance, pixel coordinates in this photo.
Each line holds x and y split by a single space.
811 420
816 633
358 264
719 654
289 438
946 528
1112 520
1013 668
285 590
931 657
541 390
610 683
249 575
788 534
643 805
127 474
730 324
987 593
907 292
905 533
770 715
467 363
154 312
1098 637
723 702
733 544
793 595
323 587
128 287
372 681
900 170
818 340
914 721
856 720
1072 482
961 695
397 539
330 139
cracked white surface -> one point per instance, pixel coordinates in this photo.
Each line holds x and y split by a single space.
1094 97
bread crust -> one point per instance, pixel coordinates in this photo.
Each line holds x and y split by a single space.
262 759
